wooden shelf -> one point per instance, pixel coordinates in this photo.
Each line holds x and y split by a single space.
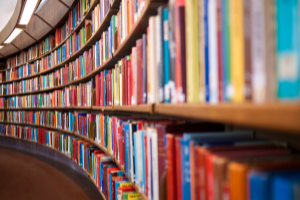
283 117
279 117
124 49
95 37
103 108
146 108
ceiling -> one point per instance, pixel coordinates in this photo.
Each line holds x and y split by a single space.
47 16
6 10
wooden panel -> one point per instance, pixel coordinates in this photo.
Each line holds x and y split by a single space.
52 12
8 49
23 40
37 28
68 2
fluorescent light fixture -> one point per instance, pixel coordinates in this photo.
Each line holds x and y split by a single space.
14 34
1 46
27 12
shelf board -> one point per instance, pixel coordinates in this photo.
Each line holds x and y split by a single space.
146 108
103 108
270 116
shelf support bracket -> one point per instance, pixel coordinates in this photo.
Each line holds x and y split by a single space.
43 20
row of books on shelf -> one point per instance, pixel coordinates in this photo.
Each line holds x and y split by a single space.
190 77
229 50
178 160
40 49
109 178
50 42
125 20
73 44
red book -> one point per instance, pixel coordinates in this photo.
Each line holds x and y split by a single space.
170 167
123 81
129 84
109 170
102 88
97 89
139 81
180 60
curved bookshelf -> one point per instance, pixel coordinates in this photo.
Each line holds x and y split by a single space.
93 142
77 28
124 48
268 116
103 26
67 156
284 117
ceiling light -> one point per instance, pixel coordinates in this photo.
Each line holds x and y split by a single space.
14 34
1 46
27 11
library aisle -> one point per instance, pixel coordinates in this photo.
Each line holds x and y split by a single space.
23 176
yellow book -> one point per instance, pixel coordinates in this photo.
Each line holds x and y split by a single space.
237 49
192 50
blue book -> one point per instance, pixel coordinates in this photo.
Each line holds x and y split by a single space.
143 162
288 62
87 159
81 154
206 50
200 138
105 92
127 150
283 186
101 161
225 47
117 185
166 53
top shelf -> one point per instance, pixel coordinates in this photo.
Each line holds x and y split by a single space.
76 29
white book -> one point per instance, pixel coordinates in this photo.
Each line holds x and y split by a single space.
213 52
149 163
258 68
154 165
139 159
158 90
152 81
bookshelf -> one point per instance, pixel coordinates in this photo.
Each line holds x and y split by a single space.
264 116
273 116
143 196
65 155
